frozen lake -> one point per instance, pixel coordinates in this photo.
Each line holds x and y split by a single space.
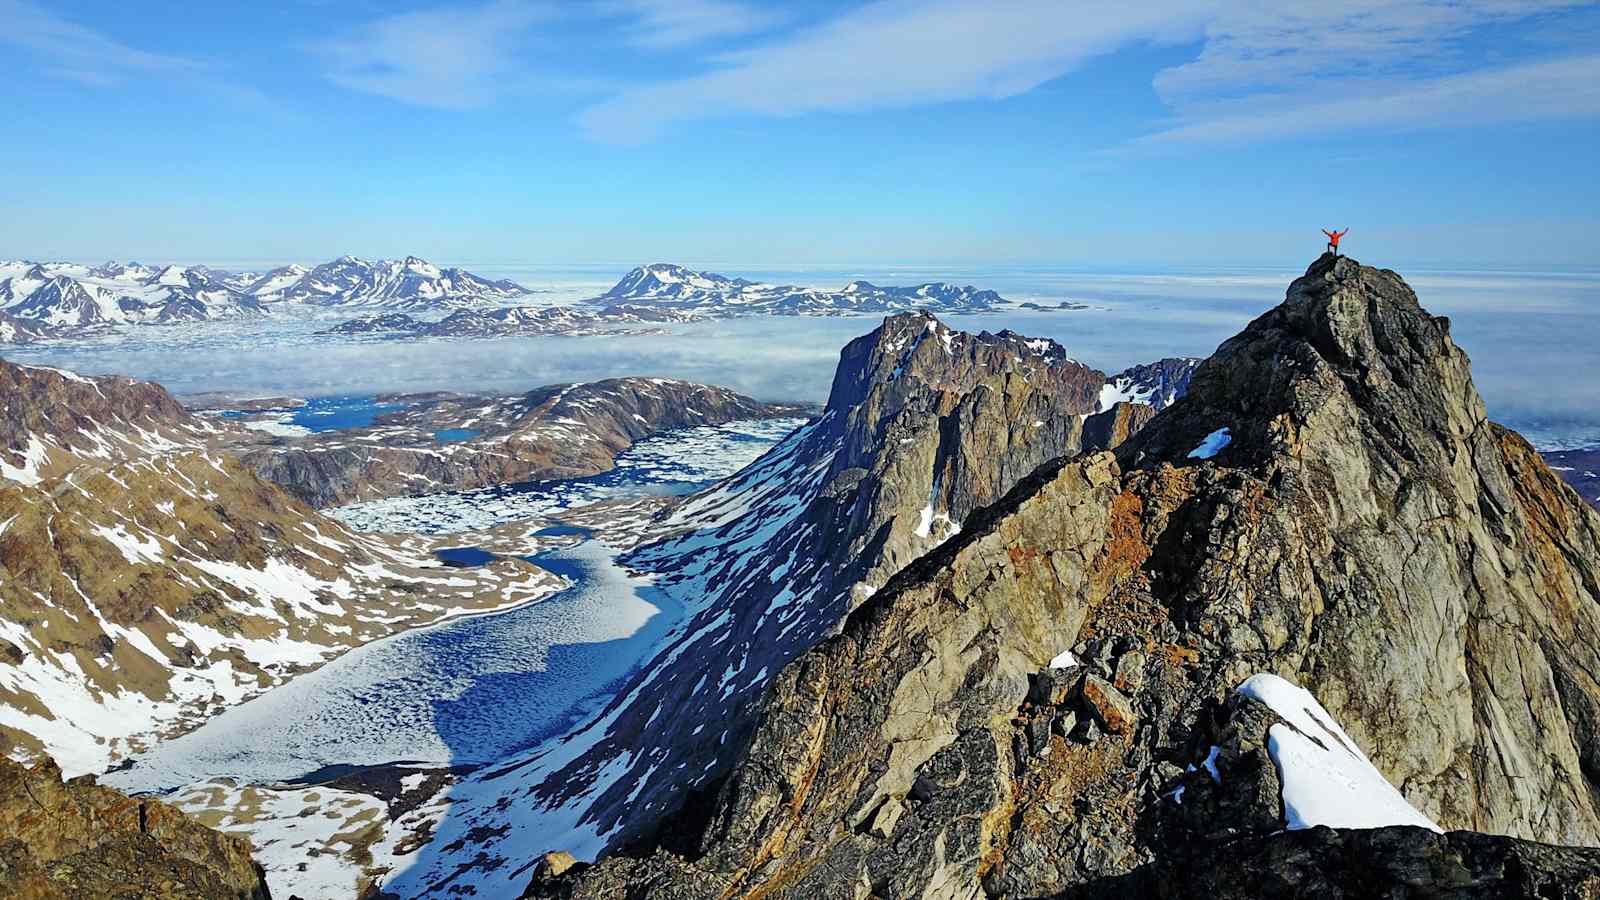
471 690
478 688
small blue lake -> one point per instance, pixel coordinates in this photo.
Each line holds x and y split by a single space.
336 413
454 435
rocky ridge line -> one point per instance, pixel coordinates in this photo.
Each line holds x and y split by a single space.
1328 503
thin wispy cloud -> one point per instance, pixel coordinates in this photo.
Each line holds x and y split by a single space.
1557 89
74 52
666 24
449 57
1264 69
468 56
1272 70
895 53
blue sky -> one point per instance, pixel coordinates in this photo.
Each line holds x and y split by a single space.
704 131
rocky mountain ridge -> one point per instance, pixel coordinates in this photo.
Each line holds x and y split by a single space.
1036 706
924 425
411 283
59 299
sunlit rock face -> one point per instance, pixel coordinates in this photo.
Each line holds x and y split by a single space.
1036 707
85 842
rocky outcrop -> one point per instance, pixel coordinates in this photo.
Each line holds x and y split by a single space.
556 431
1327 503
1111 428
1224 836
79 841
148 580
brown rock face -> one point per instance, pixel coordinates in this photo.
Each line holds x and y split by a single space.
79 841
558 431
1110 429
69 413
1366 533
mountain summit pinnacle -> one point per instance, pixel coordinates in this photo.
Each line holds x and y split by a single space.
1052 702
1348 341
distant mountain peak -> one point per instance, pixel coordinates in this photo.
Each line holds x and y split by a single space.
674 286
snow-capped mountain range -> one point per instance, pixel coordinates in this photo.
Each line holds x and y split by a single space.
410 283
42 300
664 285
62 297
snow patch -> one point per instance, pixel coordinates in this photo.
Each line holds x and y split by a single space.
1213 443
1327 780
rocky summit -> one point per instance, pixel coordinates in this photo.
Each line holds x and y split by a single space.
1319 592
